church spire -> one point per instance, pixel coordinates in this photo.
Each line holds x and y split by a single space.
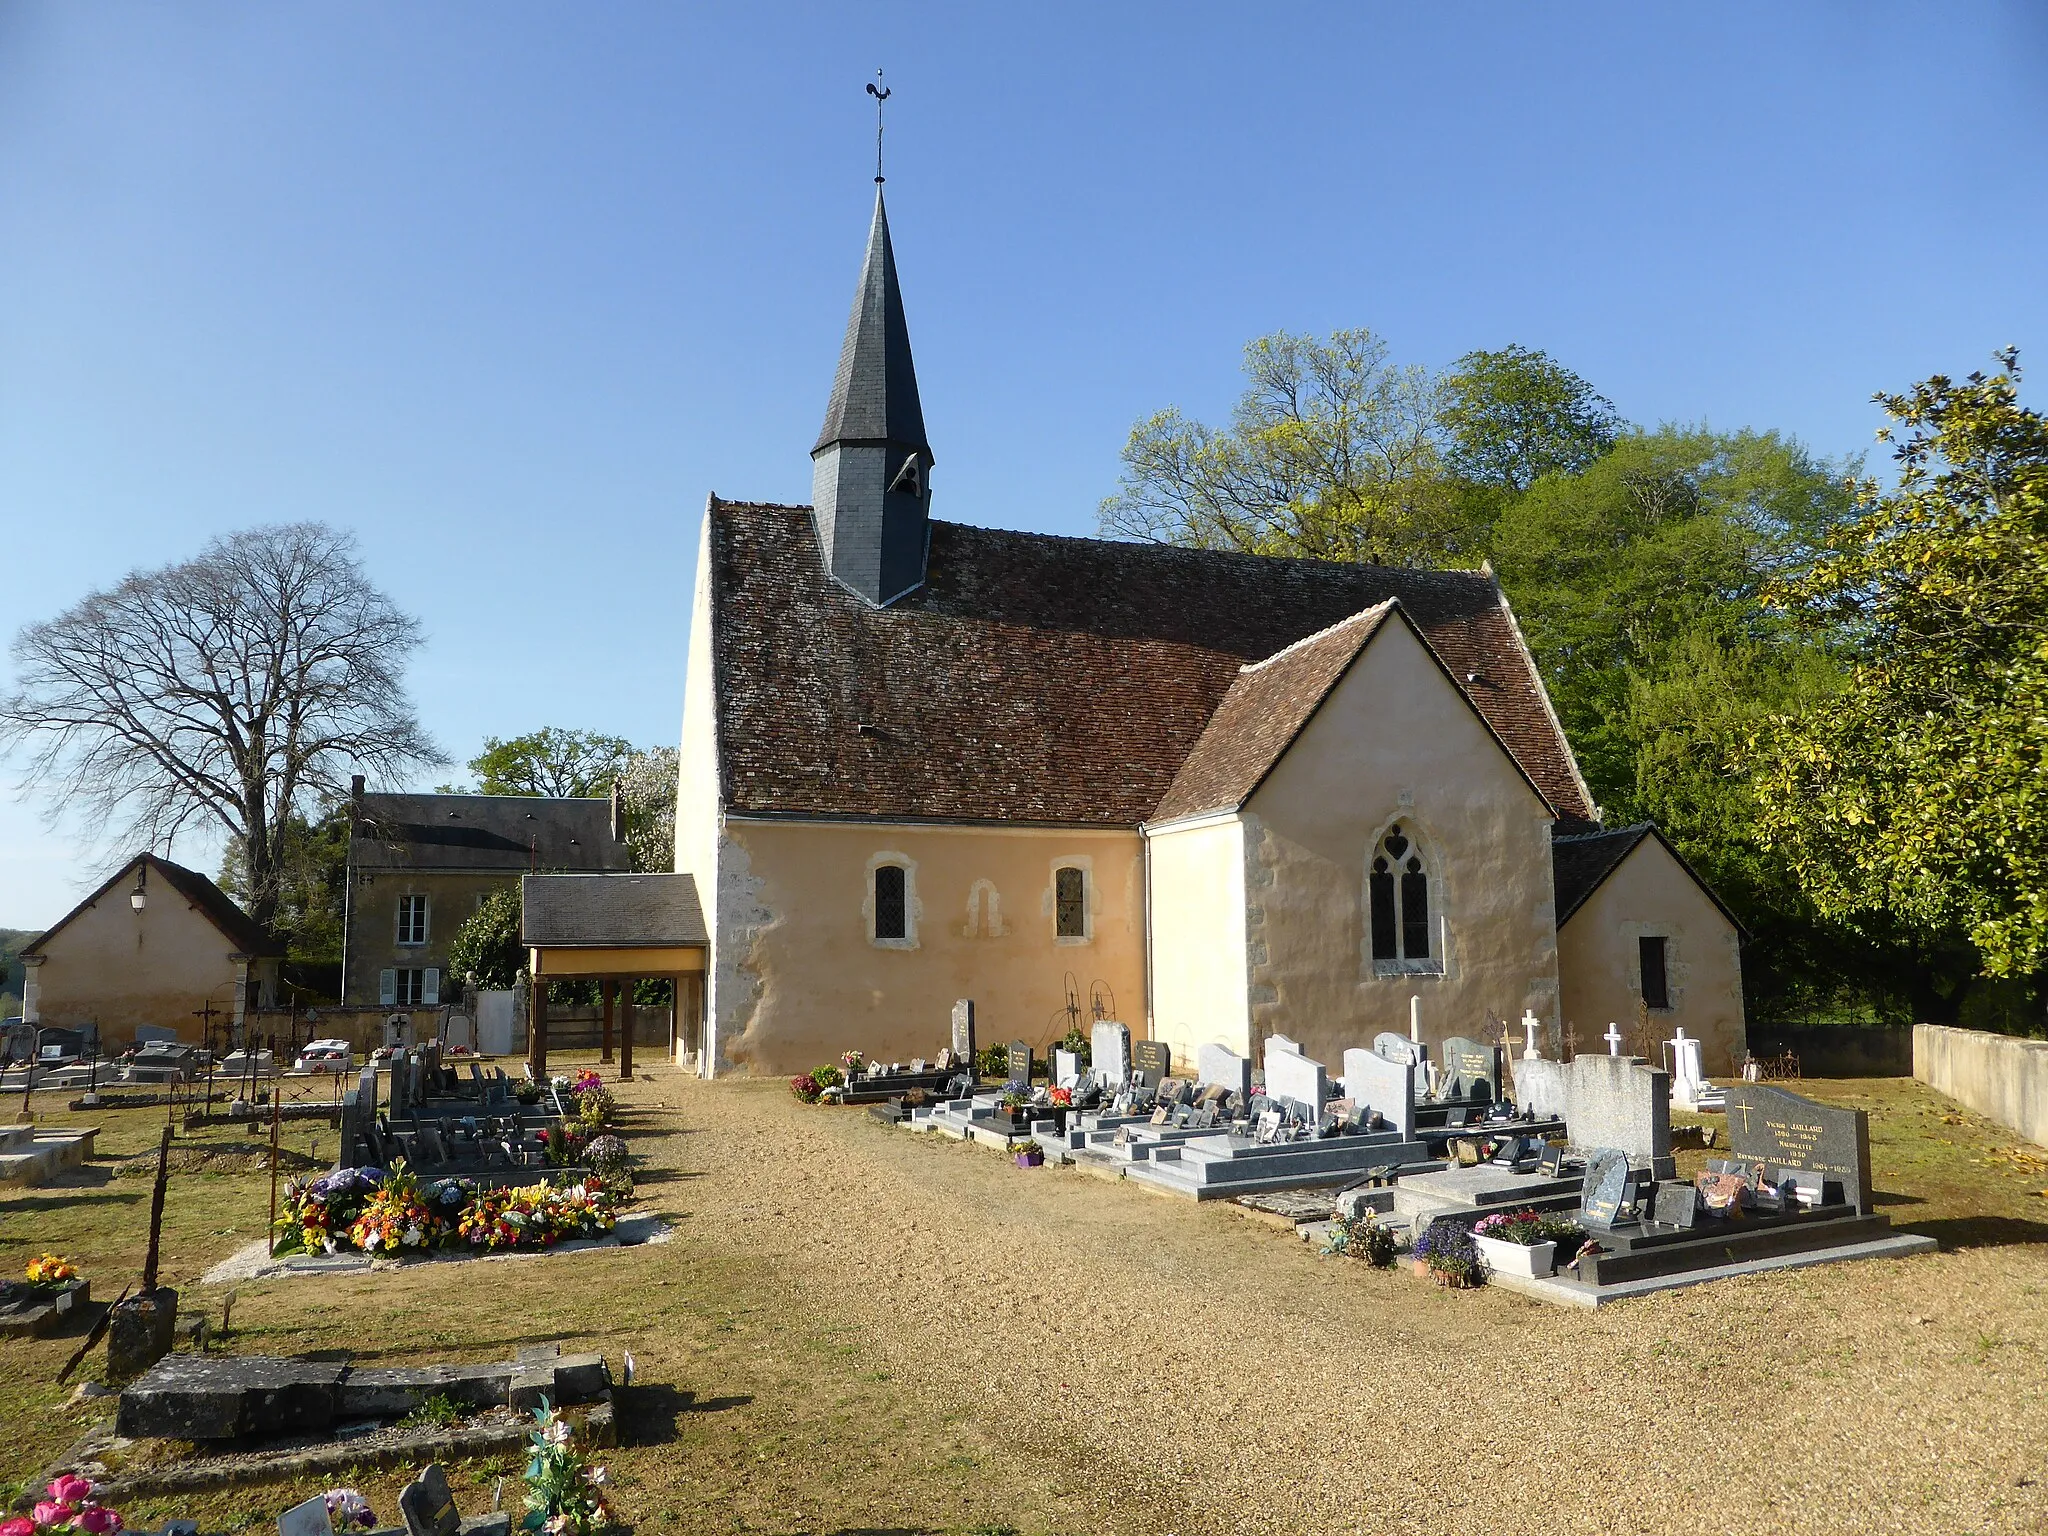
870 470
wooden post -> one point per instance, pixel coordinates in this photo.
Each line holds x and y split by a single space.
537 1033
156 1214
610 989
625 1031
276 1123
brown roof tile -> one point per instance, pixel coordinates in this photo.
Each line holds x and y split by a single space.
1042 679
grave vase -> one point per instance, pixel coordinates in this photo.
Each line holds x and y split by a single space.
1529 1260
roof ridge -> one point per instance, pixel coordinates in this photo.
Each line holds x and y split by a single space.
1377 611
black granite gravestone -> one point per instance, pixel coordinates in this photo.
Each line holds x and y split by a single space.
1153 1059
1020 1063
963 1033
1782 1129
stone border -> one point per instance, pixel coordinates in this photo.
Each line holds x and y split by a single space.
255 1263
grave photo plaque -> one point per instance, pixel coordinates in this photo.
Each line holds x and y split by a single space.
1785 1130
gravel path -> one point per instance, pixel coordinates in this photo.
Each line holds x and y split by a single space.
1220 1370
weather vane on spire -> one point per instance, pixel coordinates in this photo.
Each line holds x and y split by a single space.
881 94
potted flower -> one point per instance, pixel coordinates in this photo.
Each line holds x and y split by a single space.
1060 1098
1513 1243
1448 1255
57 1278
850 1062
1029 1154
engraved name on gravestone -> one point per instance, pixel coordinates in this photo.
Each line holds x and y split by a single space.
1606 1187
1020 1063
1468 1069
1399 1048
1772 1126
1153 1059
1110 1054
963 1033
1218 1065
1383 1085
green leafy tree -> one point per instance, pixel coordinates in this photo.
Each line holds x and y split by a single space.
1513 416
312 884
647 784
1918 791
486 947
552 762
1331 453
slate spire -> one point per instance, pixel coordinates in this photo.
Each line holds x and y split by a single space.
871 468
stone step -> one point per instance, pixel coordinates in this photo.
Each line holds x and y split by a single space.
1210 1172
1167 1177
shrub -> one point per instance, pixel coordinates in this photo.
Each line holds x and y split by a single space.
806 1087
827 1076
1073 1040
1360 1237
437 1412
596 1108
994 1062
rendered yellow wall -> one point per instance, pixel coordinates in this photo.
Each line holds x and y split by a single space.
1198 938
1395 741
1599 961
122 968
800 981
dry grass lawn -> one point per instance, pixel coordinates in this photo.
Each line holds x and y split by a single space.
858 1330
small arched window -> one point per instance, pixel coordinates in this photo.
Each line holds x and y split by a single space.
1397 890
1070 903
892 902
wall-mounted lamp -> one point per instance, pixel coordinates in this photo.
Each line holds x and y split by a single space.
139 897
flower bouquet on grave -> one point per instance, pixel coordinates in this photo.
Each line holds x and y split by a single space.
396 1217
1060 1098
851 1062
611 1162
806 1087
68 1504
580 1210
487 1224
1514 1243
1447 1253
348 1510
318 1213
51 1271
562 1145
563 1496
587 1081
1360 1237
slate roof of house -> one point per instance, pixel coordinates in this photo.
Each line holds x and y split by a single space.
611 911
1580 863
485 832
235 925
1034 678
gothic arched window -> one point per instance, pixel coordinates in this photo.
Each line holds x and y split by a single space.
1397 891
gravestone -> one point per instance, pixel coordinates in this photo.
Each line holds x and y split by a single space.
1224 1068
1110 1054
963 1033
1383 1085
1675 1205
1606 1188
1468 1070
428 1507
1066 1069
945 1059
1622 1103
1770 1125
1297 1081
1152 1060
307 1519
1020 1064
1540 1087
1399 1048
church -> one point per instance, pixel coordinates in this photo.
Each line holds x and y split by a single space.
1217 796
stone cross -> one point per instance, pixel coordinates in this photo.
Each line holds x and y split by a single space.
1613 1038
1530 1024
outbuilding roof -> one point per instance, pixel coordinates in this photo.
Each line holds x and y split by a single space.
648 911
1040 679
235 925
485 832
1580 863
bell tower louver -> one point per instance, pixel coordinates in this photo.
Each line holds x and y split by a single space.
871 468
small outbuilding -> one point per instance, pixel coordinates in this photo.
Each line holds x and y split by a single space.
157 944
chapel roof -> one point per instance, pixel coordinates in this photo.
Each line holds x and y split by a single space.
1035 678
485 832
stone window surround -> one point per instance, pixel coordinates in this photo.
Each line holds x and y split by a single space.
401 910
913 907
1438 966
1674 967
1085 863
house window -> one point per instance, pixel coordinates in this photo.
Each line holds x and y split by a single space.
1397 894
1656 975
409 986
892 902
1069 903
412 920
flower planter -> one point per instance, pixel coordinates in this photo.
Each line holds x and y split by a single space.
1030 1159
1529 1260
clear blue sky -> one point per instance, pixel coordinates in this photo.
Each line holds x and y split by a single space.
508 288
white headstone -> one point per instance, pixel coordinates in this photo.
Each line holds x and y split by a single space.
307 1519
1295 1079
1215 1064
1066 1069
1400 1049
1530 1024
1372 1081
1110 1054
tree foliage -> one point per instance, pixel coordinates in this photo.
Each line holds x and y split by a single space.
551 762
1918 791
486 950
1513 416
237 688
312 884
648 785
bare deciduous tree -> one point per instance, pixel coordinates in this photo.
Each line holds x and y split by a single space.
236 687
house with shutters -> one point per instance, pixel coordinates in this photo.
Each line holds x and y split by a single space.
1227 795
419 865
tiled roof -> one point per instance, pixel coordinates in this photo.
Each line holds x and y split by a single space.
485 832
1260 716
1042 679
611 911
235 925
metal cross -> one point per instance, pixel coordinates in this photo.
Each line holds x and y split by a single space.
881 94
